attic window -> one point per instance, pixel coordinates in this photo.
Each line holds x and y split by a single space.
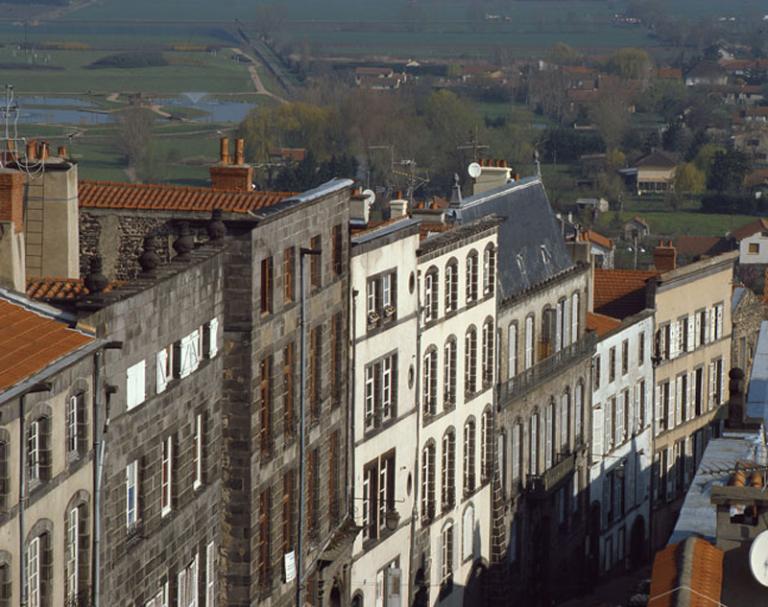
546 256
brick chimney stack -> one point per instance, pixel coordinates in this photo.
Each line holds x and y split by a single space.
665 256
225 175
31 150
12 259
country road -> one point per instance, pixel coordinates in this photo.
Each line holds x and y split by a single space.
257 83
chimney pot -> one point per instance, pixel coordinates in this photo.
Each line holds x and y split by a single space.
239 151
43 155
224 150
62 151
665 257
31 150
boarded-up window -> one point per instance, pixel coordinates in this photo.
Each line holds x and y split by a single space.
265 405
264 536
315 263
287 513
289 274
288 391
315 370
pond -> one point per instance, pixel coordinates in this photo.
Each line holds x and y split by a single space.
215 110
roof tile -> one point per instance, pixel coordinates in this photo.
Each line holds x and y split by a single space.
621 293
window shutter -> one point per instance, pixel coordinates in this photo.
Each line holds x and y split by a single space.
659 410
44 430
678 400
619 422
213 337
185 367
574 317
723 395
597 432
711 385
690 413
161 360
82 423
393 585
719 321
712 318
548 419
697 331
691 333
380 589
558 327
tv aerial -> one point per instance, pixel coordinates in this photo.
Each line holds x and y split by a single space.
758 558
474 170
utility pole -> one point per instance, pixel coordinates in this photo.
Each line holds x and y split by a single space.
302 423
474 145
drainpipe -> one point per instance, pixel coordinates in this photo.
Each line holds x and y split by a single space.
352 403
302 423
99 448
23 497
416 469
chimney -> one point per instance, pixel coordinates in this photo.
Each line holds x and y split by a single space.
398 207
492 175
359 208
43 155
12 250
665 257
224 151
236 177
31 150
62 152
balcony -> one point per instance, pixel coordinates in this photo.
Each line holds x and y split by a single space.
540 485
544 370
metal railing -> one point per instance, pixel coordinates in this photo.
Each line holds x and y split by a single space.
542 371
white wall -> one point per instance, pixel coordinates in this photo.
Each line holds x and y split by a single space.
745 257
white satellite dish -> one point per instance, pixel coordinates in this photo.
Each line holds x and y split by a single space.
758 558
369 196
474 170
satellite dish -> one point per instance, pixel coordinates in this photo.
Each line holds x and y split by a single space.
474 170
758 558
369 196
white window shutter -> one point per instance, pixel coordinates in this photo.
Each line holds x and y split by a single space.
697 330
597 432
566 325
712 318
672 412
673 337
658 408
719 320
379 589
691 333
678 401
558 327
182 578
162 380
723 395
213 337
135 385
607 430
394 582
711 385
574 317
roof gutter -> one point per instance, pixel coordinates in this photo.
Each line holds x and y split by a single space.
25 302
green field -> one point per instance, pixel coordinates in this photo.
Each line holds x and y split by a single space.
675 223
193 71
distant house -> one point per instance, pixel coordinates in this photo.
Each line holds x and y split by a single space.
753 242
655 173
379 78
757 181
694 248
706 73
753 140
669 73
636 228
599 205
601 248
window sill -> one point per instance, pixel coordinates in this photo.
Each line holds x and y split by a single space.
166 513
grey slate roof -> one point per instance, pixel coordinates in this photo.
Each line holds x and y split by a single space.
531 247
757 396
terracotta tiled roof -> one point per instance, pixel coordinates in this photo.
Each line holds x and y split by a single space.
427 229
756 178
621 293
58 289
746 231
162 197
601 324
657 159
670 73
696 246
597 238
689 573
29 342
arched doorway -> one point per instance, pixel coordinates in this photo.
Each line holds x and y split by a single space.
637 548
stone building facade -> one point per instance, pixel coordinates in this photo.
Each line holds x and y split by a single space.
49 373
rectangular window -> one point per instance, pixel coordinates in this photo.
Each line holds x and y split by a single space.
596 372
131 494
337 352
164 368
446 555
625 357
338 252
380 391
611 365
267 282
312 492
529 341
187 585
512 350
718 321
287 513
428 483
73 564
166 495
289 274
515 448
264 555
430 297
370 495
334 476
315 263
210 576
682 335
315 370
471 277
265 405
198 437
76 426
641 349
135 385
754 248
451 287
288 393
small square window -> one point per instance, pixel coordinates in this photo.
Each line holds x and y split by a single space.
754 248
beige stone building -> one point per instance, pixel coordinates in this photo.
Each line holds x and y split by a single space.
691 355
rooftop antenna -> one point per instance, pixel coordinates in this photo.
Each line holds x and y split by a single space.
474 145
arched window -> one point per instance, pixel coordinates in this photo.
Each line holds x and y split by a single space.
578 413
39 451
451 286
501 460
486 446
76 551
471 277
430 381
489 270
548 332
469 456
38 565
446 554
357 599
530 328
449 373
431 288
470 361
488 351
512 350
448 472
533 443
77 427
428 482
516 452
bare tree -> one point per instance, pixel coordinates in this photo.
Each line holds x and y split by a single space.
134 135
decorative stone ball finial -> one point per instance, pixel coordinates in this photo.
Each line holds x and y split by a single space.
184 244
149 260
95 281
216 228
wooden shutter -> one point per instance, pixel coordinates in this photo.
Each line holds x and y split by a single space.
659 407
678 400
598 430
